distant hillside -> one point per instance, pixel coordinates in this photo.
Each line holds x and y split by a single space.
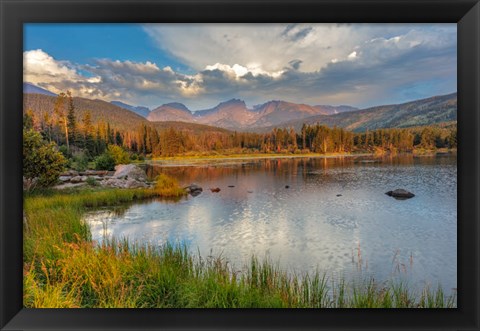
100 110
415 113
142 111
330 110
31 88
117 117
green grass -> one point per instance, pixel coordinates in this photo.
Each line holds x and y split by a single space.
64 268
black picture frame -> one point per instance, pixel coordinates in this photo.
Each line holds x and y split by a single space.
14 13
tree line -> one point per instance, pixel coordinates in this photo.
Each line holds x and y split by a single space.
79 138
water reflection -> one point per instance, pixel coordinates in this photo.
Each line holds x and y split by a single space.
334 216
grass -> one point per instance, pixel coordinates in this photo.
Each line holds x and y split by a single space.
64 268
166 186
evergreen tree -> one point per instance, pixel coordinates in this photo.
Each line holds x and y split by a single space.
71 120
88 134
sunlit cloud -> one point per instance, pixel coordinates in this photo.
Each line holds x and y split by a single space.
356 64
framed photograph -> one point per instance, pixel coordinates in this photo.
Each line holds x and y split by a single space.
292 165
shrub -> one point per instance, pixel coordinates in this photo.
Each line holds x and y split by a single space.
42 162
119 155
80 161
92 181
64 150
105 162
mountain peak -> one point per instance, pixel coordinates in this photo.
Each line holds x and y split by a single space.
177 105
173 111
233 101
32 88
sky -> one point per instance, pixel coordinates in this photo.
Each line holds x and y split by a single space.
201 65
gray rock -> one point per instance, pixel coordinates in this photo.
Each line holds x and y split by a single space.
64 178
76 179
113 182
400 194
94 173
129 171
29 183
132 183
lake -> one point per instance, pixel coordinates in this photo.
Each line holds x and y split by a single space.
334 216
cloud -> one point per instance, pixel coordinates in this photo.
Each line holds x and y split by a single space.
358 64
270 46
39 67
352 55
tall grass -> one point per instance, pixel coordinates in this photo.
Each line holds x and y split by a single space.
167 186
64 268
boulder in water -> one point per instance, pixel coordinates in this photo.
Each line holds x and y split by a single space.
400 194
193 189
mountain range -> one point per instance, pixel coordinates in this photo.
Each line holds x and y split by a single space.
433 110
235 115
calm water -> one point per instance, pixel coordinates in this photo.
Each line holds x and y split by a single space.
361 233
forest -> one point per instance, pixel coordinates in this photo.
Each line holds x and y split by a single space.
81 139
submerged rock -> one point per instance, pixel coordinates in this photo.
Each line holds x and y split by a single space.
195 193
193 189
215 190
400 194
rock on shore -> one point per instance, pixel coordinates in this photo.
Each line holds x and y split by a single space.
125 176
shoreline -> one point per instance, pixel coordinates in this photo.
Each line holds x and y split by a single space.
186 161
195 160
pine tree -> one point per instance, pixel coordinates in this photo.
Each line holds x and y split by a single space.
71 120
88 140
59 111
